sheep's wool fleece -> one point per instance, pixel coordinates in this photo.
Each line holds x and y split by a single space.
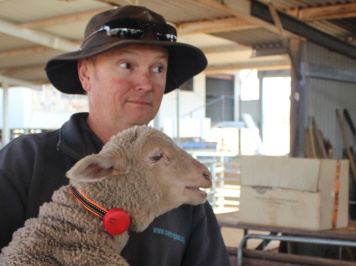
65 233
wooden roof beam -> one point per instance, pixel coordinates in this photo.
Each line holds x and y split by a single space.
36 37
24 51
17 82
22 69
225 49
260 65
216 25
339 11
43 23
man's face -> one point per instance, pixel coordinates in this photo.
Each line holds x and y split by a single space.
125 86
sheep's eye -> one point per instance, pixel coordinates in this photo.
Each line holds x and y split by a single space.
157 156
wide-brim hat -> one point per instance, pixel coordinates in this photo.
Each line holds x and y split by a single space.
185 61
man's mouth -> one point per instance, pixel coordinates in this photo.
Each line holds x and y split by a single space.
197 189
140 102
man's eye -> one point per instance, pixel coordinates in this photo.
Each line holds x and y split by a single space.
158 69
157 156
125 65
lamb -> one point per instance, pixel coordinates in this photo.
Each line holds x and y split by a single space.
138 175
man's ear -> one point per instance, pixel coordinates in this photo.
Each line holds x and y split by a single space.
92 168
83 69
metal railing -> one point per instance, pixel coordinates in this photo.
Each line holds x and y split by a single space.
299 239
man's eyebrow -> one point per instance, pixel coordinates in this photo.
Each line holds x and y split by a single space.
163 56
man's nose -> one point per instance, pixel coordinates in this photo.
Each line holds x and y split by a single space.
144 81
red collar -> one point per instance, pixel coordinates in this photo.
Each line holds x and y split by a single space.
116 221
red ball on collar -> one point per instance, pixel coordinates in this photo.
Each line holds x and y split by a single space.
116 221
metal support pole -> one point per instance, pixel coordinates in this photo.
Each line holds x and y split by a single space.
5 138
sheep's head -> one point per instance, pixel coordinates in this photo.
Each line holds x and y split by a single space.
143 169
179 176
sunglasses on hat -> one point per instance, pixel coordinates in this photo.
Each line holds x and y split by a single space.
136 29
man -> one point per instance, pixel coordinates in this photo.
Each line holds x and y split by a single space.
128 59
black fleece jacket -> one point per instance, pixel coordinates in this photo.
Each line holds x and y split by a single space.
33 166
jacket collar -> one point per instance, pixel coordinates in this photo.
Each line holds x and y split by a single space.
76 139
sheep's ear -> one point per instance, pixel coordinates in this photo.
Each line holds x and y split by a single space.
92 168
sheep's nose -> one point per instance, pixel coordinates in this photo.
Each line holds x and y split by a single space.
207 176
